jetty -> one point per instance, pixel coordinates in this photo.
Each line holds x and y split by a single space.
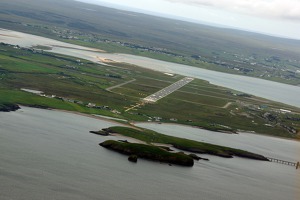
294 164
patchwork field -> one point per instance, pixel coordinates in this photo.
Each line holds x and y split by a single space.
78 85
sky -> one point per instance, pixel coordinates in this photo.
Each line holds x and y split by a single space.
272 17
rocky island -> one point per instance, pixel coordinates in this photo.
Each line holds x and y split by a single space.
7 107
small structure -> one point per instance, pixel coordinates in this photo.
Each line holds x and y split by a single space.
91 105
116 112
285 111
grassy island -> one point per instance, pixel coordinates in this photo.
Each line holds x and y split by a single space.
148 152
150 137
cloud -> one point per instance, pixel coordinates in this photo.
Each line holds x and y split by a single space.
284 9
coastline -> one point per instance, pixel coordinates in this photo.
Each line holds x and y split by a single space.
133 125
238 132
93 116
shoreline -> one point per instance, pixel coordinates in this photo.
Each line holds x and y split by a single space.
90 116
197 127
238 132
132 124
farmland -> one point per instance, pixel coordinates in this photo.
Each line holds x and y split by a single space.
83 86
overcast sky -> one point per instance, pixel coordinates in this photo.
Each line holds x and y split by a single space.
273 17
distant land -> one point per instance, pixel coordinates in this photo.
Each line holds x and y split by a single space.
197 21
220 49
130 9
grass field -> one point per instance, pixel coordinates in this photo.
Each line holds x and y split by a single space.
83 86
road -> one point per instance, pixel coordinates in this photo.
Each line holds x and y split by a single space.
116 86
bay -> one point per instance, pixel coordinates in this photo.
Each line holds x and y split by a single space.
49 154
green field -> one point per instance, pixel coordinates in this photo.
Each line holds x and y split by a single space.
82 86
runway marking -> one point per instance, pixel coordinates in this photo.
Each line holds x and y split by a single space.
167 90
137 105
116 86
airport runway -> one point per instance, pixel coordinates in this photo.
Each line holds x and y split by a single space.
167 90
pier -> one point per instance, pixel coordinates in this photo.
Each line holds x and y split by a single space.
294 164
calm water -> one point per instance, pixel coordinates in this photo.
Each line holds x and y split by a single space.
273 147
267 89
51 155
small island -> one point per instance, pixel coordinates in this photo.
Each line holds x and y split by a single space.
149 152
153 152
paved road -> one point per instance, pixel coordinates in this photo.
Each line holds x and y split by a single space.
168 90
